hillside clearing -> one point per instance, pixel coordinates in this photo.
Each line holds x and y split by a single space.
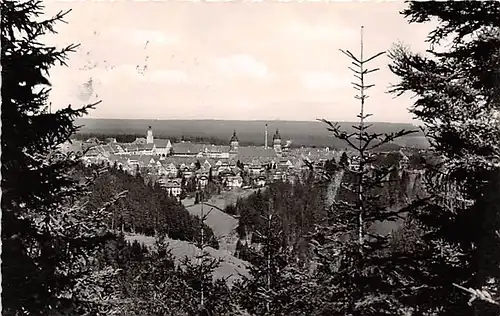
230 268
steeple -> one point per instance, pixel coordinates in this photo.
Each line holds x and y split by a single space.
234 143
149 136
277 142
234 138
277 135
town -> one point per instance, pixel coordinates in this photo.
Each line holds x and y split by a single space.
174 165
208 159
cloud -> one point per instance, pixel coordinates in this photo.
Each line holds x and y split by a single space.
143 36
319 32
105 75
136 73
322 80
241 65
168 76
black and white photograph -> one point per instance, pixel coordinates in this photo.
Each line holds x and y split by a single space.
250 158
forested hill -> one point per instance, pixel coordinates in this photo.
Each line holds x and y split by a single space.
145 208
303 205
306 133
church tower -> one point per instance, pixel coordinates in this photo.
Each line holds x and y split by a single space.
277 142
233 148
149 136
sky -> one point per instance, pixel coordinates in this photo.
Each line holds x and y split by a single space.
228 60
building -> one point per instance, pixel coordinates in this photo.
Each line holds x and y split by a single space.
149 136
277 142
234 145
233 181
202 181
404 161
355 163
172 186
260 181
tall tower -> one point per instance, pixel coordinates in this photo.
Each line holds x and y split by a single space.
277 142
265 141
234 143
149 136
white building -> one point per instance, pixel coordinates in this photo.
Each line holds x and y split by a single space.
172 186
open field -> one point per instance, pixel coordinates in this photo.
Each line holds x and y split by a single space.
230 268
222 224
300 132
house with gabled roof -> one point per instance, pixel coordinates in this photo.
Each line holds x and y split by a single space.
279 175
285 163
133 161
207 165
117 148
163 147
236 171
170 168
354 163
121 161
186 149
129 149
202 181
93 141
106 149
145 149
219 163
260 181
215 151
246 154
172 186
160 169
255 169
146 161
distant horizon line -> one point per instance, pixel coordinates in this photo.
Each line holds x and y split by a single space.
237 120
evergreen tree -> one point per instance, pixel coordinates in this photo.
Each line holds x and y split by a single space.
49 238
275 285
240 165
202 294
210 176
344 160
151 285
457 85
330 167
356 274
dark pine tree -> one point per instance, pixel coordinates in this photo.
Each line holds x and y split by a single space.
457 88
344 160
356 274
48 236
275 286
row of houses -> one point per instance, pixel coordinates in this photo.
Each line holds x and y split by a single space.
170 169
152 146
173 166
